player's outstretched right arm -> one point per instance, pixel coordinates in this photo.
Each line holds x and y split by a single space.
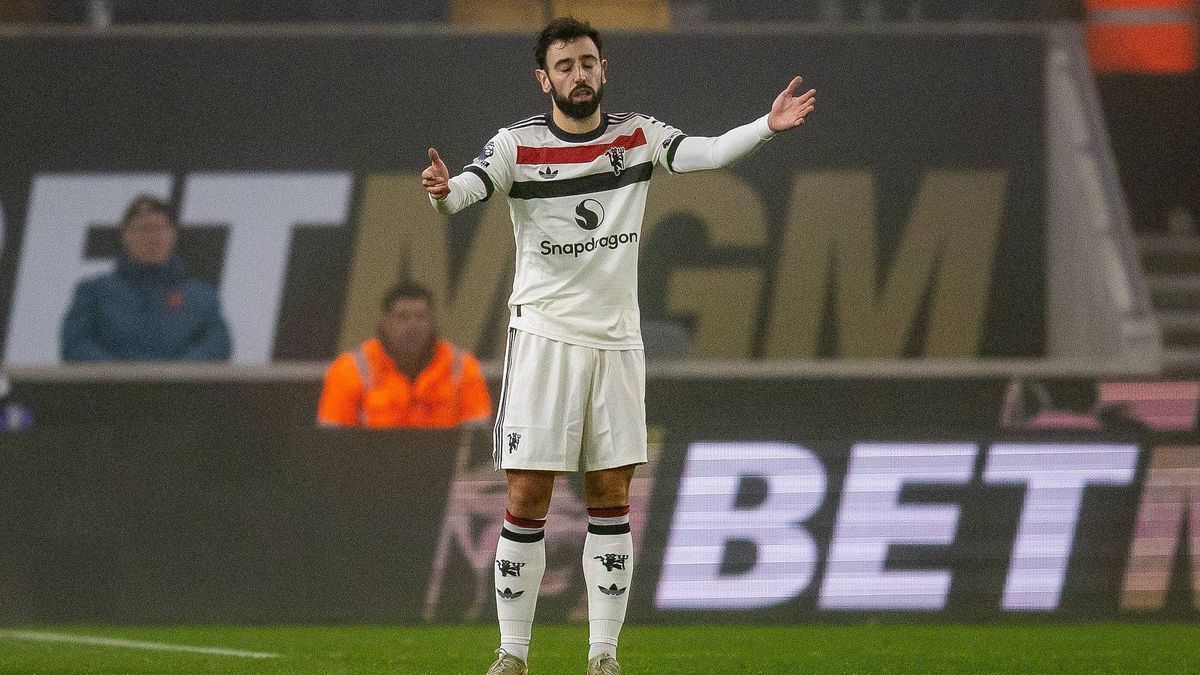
436 178
487 173
451 195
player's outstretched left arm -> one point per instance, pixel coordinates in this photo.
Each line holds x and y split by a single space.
789 111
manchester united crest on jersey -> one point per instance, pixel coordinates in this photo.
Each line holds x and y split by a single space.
616 157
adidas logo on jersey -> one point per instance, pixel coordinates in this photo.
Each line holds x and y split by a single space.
548 173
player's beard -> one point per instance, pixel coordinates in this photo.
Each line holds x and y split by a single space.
583 109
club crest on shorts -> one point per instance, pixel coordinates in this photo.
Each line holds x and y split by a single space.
514 439
616 157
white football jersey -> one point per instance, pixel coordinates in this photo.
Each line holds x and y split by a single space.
577 203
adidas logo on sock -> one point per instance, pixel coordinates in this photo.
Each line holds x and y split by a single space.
509 594
612 590
547 172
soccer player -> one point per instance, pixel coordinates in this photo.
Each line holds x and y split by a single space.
573 391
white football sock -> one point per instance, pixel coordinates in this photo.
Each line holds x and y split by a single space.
607 569
520 564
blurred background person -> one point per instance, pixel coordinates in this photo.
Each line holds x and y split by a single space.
13 415
150 308
406 376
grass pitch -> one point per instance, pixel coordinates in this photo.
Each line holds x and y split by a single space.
645 650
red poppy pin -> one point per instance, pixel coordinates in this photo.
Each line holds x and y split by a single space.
175 299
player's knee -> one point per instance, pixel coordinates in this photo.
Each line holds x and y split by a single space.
529 494
528 506
607 498
608 488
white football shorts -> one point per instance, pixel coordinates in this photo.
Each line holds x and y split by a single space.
564 407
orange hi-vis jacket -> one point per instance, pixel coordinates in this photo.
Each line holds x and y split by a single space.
1153 37
363 388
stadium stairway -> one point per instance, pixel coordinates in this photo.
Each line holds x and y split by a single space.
1172 265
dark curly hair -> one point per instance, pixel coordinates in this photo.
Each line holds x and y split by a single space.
565 29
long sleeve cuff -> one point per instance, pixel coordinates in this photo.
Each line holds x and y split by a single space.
465 189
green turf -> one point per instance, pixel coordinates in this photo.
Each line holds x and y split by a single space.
1100 648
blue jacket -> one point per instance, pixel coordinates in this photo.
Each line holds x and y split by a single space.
145 313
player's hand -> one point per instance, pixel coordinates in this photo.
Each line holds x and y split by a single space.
789 111
436 179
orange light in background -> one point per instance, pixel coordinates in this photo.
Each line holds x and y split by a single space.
1154 37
